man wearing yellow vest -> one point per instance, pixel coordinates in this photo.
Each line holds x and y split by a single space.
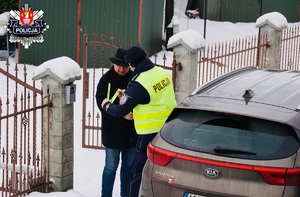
150 96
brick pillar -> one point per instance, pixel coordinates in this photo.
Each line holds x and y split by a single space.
272 24
187 60
61 118
186 74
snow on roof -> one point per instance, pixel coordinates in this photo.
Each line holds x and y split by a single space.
173 22
192 39
4 18
63 69
275 19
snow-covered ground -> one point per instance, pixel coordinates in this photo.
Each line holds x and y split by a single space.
88 163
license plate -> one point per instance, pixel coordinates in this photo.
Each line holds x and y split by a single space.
187 194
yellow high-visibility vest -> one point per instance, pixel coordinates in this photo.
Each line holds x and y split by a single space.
149 118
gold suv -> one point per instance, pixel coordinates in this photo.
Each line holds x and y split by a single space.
237 135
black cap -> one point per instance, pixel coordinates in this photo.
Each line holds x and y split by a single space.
135 55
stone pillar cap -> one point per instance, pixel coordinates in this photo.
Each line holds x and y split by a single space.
274 19
191 39
63 69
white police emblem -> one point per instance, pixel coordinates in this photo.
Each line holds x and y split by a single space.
26 26
123 99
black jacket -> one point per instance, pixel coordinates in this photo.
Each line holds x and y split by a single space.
116 132
135 93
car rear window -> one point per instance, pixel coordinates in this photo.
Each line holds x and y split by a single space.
229 135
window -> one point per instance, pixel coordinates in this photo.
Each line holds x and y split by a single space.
230 135
3 43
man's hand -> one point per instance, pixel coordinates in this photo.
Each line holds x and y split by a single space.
104 101
121 93
129 116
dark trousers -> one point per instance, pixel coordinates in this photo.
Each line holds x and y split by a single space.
139 162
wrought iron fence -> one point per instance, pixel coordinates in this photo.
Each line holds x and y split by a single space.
220 58
23 166
290 48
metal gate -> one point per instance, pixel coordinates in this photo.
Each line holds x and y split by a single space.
23 111
91 120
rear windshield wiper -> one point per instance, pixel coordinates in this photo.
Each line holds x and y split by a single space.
224 150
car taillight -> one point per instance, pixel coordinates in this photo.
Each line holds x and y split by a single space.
279 176
273 176
159 156
293 176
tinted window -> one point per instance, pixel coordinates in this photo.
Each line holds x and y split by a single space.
227 135
3 43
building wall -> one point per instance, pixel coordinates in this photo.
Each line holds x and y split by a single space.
152 25
246 10
100 16
60 38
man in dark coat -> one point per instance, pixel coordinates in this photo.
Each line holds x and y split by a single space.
118 134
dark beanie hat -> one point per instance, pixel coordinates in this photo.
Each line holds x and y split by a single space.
135 55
